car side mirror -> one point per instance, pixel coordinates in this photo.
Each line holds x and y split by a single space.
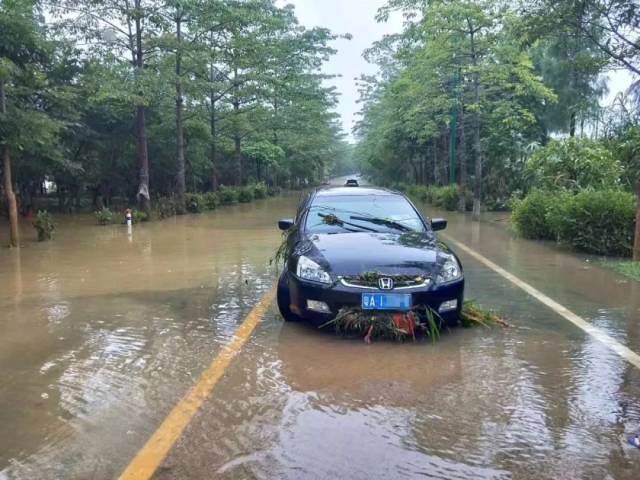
438 224
286 223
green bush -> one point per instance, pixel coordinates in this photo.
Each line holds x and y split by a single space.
44 225
104 216
260 190
531 215
446 197
200 202
245 194
165 207
400 187
228 195
138 216
419 192
574 164
195 202
600 222
211 200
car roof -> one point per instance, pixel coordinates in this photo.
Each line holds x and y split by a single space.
350 191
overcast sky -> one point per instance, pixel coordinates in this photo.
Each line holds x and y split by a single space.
357 17
347 16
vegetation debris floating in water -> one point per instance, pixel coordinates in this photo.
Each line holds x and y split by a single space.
391 325
400 326
44 225
472 315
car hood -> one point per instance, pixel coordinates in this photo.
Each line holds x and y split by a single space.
343 254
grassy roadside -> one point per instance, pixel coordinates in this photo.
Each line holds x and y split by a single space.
627 268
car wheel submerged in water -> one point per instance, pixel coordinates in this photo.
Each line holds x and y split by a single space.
284 300
368 248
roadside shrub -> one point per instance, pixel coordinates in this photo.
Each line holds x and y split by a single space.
195 202
44 225
227 195
400 187
574 164
211 200
104 216
446 197
165 207
626 148
260 190
245 194
138 216
600 222
531 215
419 192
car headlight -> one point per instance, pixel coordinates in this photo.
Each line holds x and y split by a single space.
450 270
310 270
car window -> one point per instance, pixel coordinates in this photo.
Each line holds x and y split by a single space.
392 208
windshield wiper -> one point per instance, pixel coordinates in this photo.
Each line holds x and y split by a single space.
383 221
341 223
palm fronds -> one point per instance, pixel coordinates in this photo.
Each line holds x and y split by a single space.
472 315
284 250
399 326
421 320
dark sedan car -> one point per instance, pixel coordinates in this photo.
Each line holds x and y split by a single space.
368 248
352 182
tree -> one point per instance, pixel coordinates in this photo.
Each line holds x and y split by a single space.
25 125
610 25
115 28
455 56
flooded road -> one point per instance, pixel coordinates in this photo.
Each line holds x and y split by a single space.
103 333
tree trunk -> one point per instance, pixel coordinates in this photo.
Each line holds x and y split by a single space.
180 169
275 121
446 144
462 161
636 241
144 197
414 167
213 147
572 125
477 151
237 155
436 170
14 235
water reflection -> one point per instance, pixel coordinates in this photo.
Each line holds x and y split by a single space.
113 327
103 333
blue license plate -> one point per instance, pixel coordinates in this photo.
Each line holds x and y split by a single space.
386 301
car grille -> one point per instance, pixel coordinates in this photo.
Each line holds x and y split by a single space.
399 281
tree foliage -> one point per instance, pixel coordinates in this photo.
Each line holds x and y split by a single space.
138 99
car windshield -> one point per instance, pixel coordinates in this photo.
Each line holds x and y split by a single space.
360 213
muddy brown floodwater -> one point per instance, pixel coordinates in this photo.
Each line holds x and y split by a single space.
102 333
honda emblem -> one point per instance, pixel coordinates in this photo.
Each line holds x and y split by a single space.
385 283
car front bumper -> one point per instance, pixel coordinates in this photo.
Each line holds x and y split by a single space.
338 296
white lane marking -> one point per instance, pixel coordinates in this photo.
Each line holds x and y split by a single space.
610 342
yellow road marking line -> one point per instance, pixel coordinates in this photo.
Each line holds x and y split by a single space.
149 458
610 342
